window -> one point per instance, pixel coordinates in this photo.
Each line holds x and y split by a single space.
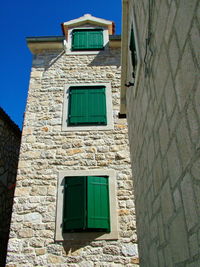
132 47
86 205
90 39
87 107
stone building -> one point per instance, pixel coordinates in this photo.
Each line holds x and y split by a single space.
73 202
161 96
10 136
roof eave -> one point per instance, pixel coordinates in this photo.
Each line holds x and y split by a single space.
36 44
124 50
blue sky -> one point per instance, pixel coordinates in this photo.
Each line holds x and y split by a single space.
21 19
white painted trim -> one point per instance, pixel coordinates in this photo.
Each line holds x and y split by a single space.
109 109
68 45
87 18
113 235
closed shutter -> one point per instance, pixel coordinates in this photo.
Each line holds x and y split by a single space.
74 203
78 106
133 50
95 39
87 106
98 215
79 40
87 39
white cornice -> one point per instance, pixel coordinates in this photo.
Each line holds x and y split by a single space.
87 18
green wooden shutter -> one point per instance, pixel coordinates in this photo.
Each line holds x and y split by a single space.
133 50
95 39
74 203
98 215
97 106
79 40
87 106
78 106
87 39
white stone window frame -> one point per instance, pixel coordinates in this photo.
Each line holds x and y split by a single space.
68 45
114 234
109 109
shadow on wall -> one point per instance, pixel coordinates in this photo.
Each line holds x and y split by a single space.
48 60
105 57
75 248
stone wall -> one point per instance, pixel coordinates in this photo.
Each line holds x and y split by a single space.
46 150
164 130
10 136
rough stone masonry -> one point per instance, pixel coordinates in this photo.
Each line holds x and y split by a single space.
46 150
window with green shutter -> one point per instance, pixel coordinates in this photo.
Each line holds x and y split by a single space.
75 197
87 106
86 204
132 47
90 39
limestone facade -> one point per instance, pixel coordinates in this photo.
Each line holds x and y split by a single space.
47 150
163 111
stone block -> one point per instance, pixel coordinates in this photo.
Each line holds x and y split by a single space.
26 233
189 201
36 74
112 250
170 20
184 143
153 255
178 239
195 39
33 217
161 258
86 264
22 191
38 191
177 199
166 202
184 16
154 228
174 54
185 77
195 169
51 191
197 99
194 125
193 245
174 164
161 228
14 246
168 256
74 151
170 97
130 250
157 175
54 259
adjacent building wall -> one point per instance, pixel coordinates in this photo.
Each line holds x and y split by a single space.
164 132
47 149
10 137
